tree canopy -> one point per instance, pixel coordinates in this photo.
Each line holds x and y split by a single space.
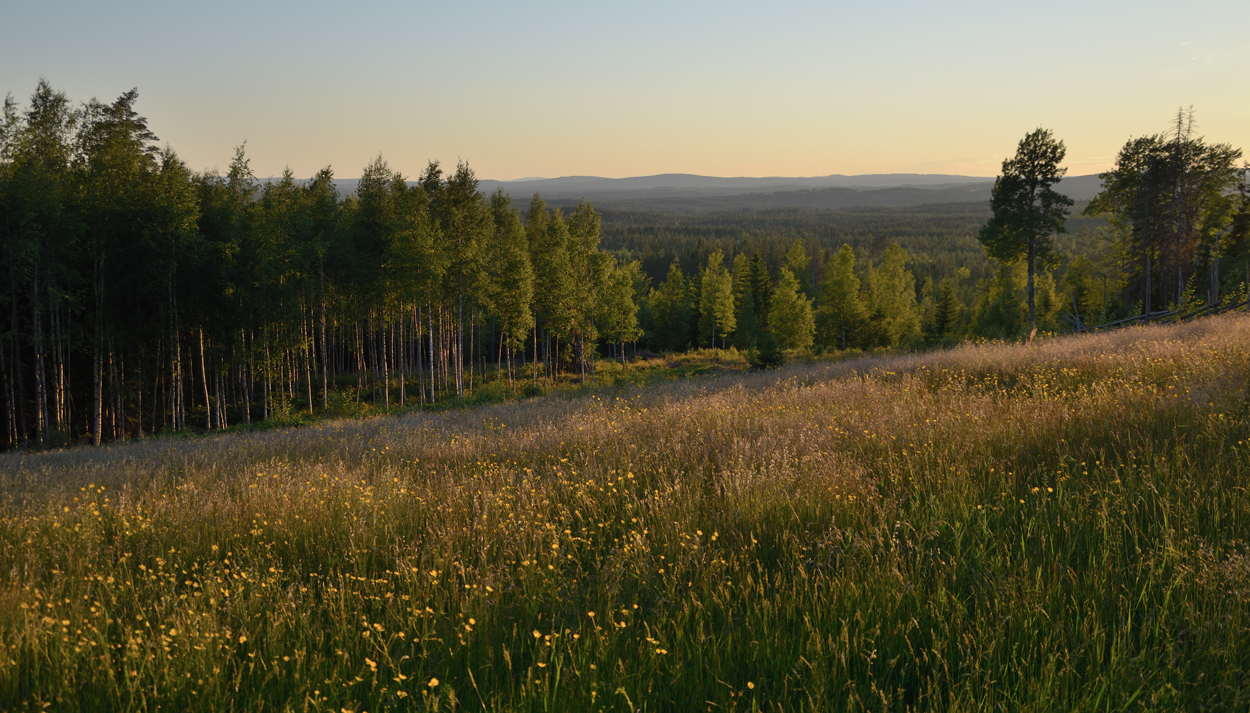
1027 209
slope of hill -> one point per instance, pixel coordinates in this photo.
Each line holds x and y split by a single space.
1060 526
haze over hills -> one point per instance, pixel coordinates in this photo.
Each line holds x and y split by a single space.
688 193
688 181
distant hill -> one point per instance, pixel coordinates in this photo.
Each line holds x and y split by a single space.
687 181
685 193
689 193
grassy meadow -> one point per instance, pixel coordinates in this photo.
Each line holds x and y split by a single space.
1058 527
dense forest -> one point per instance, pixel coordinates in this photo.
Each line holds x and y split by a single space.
940 241
141 296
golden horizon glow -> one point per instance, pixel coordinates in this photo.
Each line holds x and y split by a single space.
801 89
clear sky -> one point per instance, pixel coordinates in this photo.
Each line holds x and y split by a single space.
636 88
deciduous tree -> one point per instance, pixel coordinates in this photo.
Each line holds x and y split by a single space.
791 320
841 314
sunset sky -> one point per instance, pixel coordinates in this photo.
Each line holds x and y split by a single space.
626 89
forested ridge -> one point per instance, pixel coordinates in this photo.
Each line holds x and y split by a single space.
141 296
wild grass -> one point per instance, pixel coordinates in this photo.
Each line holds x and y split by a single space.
994 527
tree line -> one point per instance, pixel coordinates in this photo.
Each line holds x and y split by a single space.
142 296
1170 230
1178 213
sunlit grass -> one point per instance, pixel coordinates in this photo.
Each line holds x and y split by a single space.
994 527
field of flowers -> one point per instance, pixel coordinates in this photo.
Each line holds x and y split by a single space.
1063 526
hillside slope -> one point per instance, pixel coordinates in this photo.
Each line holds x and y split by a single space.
1054 527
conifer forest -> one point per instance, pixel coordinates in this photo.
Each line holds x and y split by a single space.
141 296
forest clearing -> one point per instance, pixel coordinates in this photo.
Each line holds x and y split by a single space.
1058 526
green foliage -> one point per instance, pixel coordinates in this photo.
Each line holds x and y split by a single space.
716 300
672 312
142 297
791 321
618 314
1027 210
894 313
840 317
1001 310
511 289
747 322
1171 200
766 354
947 311
1085 285
797 262
761 288
594 272
553 271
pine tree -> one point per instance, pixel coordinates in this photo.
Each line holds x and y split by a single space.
1170 200
1027 210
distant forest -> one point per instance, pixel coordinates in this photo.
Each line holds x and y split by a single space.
940 239
142 297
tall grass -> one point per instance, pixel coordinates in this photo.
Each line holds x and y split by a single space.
994 527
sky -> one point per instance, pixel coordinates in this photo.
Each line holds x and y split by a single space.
547 89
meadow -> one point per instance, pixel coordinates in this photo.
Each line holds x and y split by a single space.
995 527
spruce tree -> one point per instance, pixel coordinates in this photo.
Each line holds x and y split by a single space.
747 323
762 288
947 311
672 311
